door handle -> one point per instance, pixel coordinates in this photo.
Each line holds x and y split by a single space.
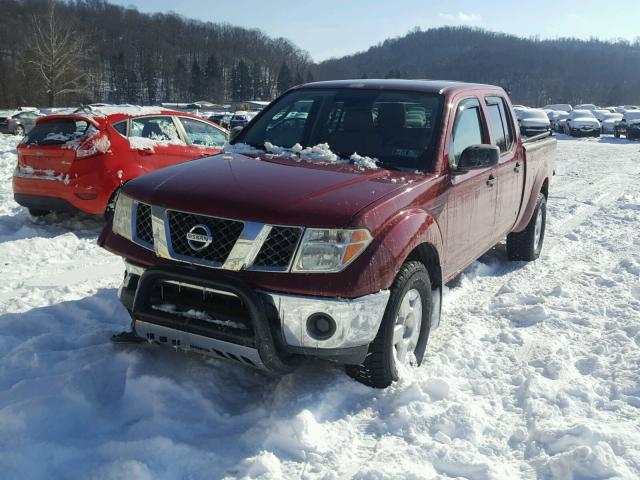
517 168
491 181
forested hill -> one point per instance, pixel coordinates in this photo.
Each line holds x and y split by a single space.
128 56
536 72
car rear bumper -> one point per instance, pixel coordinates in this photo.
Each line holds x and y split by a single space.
272 328
59 194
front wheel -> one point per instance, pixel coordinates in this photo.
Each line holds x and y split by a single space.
20 131
527 244
404 331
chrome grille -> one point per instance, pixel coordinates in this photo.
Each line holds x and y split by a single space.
278 249
144 229
225 234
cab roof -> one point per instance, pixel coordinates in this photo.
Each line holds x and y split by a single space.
428 86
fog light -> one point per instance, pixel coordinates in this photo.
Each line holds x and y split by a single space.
321 326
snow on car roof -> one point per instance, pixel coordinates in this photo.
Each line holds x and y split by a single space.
533 113
125 109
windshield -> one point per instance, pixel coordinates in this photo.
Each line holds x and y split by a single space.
632 115
399 130
56 132
582 114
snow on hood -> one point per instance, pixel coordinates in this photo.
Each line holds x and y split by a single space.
321 153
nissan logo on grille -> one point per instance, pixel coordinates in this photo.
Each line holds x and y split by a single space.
199 237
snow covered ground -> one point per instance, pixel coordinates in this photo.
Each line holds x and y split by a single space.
533 374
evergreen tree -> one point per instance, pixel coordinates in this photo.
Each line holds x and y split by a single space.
196 84
285 82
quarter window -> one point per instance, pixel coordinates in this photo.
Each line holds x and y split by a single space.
202 134
121 128
467 130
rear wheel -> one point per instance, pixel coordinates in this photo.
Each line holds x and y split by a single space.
38 212
527 244
404 332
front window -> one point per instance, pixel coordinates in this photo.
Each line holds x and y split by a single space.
398 129
467 130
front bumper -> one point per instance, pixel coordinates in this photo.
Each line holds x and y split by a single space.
276 322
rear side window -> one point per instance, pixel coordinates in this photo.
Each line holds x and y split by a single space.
161 129
56 132
499 123
467 129
202 134
121 127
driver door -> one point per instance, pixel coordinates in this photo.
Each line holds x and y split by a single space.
471 205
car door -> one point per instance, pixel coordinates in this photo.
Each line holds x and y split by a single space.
203 139
510 169
156 142
471 204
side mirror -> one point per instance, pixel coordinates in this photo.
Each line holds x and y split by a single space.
476 157
235 131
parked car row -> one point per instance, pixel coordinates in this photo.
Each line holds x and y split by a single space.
581 120
79 161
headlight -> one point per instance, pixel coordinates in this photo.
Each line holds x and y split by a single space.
330 250
122 216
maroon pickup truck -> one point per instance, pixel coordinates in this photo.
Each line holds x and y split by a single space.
330 224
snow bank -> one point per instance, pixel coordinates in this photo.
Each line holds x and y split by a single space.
533 373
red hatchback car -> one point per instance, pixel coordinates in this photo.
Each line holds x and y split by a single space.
79 161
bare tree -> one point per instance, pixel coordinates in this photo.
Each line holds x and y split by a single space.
56 52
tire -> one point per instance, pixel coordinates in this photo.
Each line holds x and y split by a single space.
19 131
111 205
37 212
527 244
616 134
379 369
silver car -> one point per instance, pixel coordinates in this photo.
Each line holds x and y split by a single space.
18 123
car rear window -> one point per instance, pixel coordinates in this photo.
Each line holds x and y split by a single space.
56 132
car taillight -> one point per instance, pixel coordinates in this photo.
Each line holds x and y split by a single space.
98 143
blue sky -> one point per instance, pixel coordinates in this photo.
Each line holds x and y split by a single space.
329 28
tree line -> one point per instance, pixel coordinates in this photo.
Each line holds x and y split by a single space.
535 72
62 53
55 52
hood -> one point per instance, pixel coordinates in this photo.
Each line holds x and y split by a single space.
275 190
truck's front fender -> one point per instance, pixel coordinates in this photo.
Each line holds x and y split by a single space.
402 235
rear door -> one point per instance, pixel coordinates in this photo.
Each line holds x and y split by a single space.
471 205
510 169
203 139
156 141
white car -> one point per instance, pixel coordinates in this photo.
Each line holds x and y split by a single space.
600 113
561 107
586 106
582 123
533 121
609 122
